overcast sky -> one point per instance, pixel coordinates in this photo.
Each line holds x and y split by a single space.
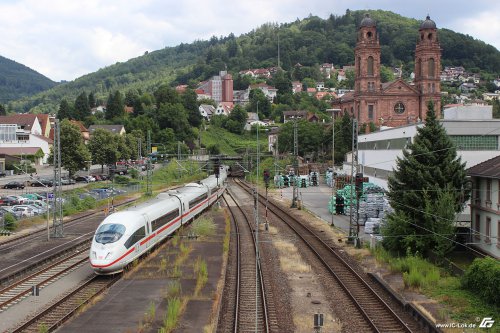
65 39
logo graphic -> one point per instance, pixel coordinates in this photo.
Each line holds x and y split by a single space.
487 322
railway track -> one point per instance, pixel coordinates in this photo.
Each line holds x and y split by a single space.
378 315
33 253
249 299
56 314
18 290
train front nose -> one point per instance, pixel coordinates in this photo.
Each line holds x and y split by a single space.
102 259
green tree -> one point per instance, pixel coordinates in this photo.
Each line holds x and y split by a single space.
82 108
3 111
65 110
189 101
103 145
429 177
237 120
386 74
115 107
74 152
257 97
174 116
92 101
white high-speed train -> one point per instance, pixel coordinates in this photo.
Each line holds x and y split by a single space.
126 235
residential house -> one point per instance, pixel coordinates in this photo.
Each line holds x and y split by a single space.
296 86
467 87
206 111
327 69
320 86
115 129
26 134
224 108
253 119
300 115
269 91
82 128
490 96
485 206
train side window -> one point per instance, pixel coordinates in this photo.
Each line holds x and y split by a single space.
136 236
164 219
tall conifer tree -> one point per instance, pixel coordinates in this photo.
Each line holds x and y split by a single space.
427 189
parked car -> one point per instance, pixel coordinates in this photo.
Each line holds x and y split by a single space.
41 182
25 210
14 184
37 203
2 174
8 201
9 210
67 181
18 198
82 179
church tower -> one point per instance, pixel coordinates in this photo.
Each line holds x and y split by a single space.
428 67
367 58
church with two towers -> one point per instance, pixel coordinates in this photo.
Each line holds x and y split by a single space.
395 103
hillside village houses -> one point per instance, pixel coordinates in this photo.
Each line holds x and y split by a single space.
22 135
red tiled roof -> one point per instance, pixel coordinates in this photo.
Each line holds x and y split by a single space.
25 120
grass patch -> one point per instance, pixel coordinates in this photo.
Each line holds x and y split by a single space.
163 265
227 232
461 305
174 289
201 271
290 259
171 317
176 272
203 226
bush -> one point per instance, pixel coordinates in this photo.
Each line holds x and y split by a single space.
9 222
121 180
483 278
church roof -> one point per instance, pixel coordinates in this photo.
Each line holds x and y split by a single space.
367 21
428 23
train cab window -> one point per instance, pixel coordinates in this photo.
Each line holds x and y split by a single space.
109 233
136 236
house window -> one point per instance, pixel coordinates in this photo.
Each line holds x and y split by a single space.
477 196
488 230
432 71
498 234
399 108
498 195
370 112
370 66
488 193
477 229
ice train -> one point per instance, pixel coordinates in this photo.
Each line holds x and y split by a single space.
126 235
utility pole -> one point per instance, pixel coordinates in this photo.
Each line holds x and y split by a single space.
295 164
58 230
149 178
353 233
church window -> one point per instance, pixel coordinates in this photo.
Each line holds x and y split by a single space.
370 65
369 34
371 86
419 67
429 36
431 68
370 112
359 66
399 108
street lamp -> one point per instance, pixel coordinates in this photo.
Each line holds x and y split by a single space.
333 111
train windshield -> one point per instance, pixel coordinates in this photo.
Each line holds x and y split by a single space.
109 233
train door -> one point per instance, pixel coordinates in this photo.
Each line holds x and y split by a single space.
147 231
